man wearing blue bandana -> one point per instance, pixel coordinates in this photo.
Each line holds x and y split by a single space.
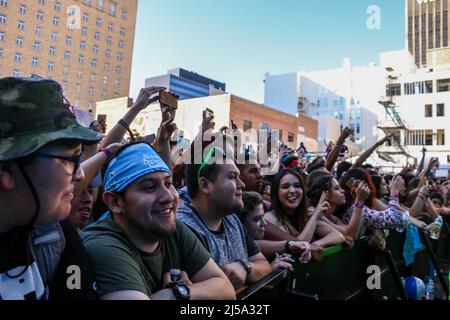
140 251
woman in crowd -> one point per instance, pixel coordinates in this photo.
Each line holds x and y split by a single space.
289 212
279 252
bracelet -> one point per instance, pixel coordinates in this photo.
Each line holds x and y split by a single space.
108 152
286 247
124 124
394 196
359 205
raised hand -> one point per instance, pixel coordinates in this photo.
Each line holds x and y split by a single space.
362 192
145 97
323 206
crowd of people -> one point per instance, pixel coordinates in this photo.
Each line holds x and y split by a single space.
141 219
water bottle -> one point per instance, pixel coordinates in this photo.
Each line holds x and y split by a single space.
436 230
429 295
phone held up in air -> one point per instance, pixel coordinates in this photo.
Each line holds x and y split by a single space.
168 99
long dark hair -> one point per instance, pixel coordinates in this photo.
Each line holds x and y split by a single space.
317 185
295 223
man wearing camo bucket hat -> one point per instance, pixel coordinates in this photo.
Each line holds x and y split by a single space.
40 150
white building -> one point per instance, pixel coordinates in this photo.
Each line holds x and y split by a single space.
421 97
348 94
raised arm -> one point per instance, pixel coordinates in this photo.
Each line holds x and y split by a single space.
331 160
366 154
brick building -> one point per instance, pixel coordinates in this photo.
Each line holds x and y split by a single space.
244 113
86 45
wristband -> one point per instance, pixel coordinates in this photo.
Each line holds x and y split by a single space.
359 205
395 196
108 152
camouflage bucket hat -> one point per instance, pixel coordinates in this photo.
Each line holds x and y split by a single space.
34 112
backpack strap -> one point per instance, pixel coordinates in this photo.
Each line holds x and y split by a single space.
47 243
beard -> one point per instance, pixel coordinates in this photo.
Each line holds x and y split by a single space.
151 230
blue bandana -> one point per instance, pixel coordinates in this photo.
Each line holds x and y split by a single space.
131 164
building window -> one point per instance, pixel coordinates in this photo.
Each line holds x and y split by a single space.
110 27
52 51
85 17
40 15
121 44
440 110
124 15
80 74
56 21
100 4
104 94
117 83
393 90
95 49
107 66
119 56
93 63
17 57
2 35
428 110
67 55
50 66
428 137
84 31
16 73
441 137
22 9
64 84
81 59
1 53
93 76
290 137
4 3
109 40
98 22
54 36
122 31
112 9
82 45
108 53
35 62
66 70
443 85
78 87
118 69
91 91
38 31
21 25
247 125
57 6
97 36
2 19
37 46
19 41
69 41
41 2
88 2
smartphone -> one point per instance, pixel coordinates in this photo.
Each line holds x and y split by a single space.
351 183
168 99
207 113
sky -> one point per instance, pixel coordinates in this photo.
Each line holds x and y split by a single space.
239 41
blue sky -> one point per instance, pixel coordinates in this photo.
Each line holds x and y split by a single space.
238 41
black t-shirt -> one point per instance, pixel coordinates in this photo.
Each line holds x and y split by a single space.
20 278
19 274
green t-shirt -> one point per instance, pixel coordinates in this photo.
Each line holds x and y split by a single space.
119 265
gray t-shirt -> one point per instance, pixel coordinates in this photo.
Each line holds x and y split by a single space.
228 245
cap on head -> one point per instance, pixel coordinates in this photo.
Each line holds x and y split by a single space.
33 112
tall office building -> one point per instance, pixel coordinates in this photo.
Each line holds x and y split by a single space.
86 45
187 84
427 25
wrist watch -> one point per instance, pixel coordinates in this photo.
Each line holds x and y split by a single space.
246 266
180 290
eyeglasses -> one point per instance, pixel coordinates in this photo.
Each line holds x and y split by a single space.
74 160
210 154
